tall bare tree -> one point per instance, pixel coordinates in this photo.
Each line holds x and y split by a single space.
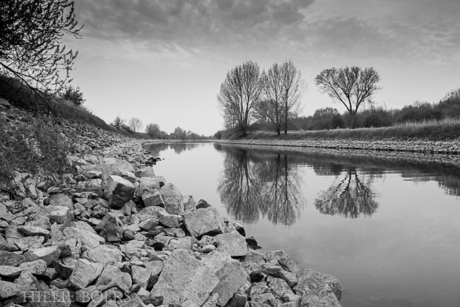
135 124
239 93
31 46
352 86
292 86
271 109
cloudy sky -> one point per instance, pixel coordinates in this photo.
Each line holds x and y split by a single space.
163 60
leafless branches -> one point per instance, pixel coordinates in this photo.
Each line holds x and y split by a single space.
135 124
273 98
30 42
350 85
239 93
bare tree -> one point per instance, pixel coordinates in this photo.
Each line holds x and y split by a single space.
352 86
31 42
271 110
292 87
135 124
239 93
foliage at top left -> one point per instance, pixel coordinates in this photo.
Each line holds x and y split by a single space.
31 48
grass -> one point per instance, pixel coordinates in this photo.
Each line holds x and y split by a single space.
21 96
68 110
33 145
446 129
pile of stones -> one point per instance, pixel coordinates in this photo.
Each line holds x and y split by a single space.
119 235
451 147
114 233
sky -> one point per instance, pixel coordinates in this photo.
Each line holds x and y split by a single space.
163 61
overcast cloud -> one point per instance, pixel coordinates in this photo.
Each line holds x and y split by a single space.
179 50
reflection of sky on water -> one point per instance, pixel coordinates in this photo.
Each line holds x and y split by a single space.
404 254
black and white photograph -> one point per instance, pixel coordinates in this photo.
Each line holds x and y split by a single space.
230 153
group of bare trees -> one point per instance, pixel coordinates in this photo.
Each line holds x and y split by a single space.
134 124
271 97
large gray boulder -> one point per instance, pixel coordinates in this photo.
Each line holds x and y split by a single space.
9 271
283 259
84 273
146 171
60 199
59 214
118 191
140 275
146 184
152 198
120 164
48 254
88 239
230 273
317 287
5 214
205 221
232 243
111 228
104 254
111 277
37 267
9 289
184 278
280 289
172 198
11 259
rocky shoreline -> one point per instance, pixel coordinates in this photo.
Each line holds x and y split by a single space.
451 147
114 233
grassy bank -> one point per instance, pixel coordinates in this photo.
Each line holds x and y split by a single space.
443 130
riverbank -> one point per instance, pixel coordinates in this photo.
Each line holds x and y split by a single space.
451 147
114 233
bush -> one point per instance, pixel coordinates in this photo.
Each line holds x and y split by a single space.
375 117
418 112
33 146
73 94
20 95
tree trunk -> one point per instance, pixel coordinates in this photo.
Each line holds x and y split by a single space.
352 120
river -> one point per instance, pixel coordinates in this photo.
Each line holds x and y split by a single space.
387 227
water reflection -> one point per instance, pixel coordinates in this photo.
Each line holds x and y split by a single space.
349 197
266 182
255 184
156 148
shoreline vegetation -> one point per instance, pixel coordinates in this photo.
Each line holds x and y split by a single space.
428 137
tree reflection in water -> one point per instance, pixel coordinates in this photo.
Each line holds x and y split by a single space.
351 197
178 147
253 185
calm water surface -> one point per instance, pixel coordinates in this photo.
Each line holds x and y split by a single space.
388 229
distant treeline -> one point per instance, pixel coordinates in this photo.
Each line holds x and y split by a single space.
154 131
